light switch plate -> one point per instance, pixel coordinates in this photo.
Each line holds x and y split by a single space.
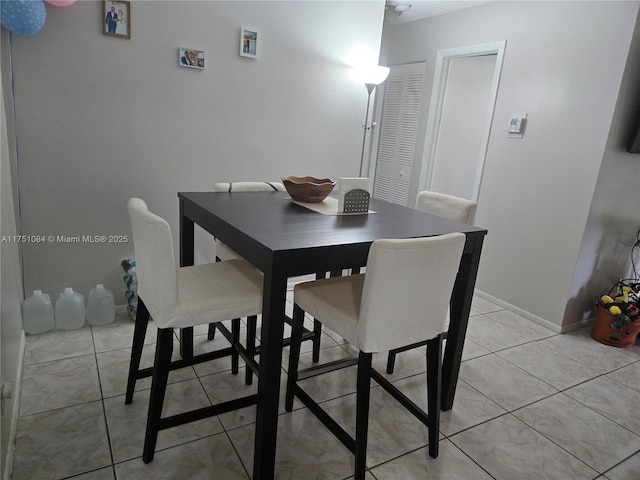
516 125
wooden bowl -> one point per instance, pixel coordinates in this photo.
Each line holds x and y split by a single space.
308 189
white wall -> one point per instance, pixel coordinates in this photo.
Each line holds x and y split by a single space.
614 217
563 65
101 119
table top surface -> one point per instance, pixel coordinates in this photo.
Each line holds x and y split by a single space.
276 223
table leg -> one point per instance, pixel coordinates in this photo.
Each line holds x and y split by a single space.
274 298
186 259
459 310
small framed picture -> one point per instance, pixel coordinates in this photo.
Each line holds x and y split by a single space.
249 39
116 18
189 57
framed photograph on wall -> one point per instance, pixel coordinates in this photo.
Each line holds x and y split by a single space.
249 40
189 57
116 18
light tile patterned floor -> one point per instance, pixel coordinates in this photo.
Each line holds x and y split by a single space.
530 404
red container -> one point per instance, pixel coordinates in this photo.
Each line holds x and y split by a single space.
603 333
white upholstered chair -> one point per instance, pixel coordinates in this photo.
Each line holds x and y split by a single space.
447 206
223 252
181 298
403 296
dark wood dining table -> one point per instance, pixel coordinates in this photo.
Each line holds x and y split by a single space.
283 240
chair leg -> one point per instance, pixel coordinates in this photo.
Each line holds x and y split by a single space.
164 349
139 332
317 327
235 334
294 355
317 331
434 386
252 322
391 361
211 333
362 413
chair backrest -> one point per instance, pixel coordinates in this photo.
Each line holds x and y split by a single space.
222 251
248 187
155 264
407 289
447 206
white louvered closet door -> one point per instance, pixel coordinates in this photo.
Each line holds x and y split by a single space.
396 163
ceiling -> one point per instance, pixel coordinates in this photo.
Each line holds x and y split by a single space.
425 8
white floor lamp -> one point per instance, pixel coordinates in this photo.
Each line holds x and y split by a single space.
371 77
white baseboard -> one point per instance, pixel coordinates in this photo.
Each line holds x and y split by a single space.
8 461
577 325
523 313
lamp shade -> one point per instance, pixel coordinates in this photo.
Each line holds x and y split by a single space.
371 75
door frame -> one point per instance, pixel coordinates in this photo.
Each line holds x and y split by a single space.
437 101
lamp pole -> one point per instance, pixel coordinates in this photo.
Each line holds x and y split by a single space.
371 76
370 87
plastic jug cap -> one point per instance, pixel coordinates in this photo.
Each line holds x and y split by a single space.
37 292
100 285
68 290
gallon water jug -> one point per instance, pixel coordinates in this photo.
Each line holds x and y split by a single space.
101 306
37 313
70 311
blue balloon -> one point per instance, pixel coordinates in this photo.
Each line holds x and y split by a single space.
25 17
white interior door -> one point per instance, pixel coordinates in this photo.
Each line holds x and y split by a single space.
464 124
465 88
399 124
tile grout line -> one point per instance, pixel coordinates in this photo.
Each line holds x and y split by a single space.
554 442
104 408
235 450
470 458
